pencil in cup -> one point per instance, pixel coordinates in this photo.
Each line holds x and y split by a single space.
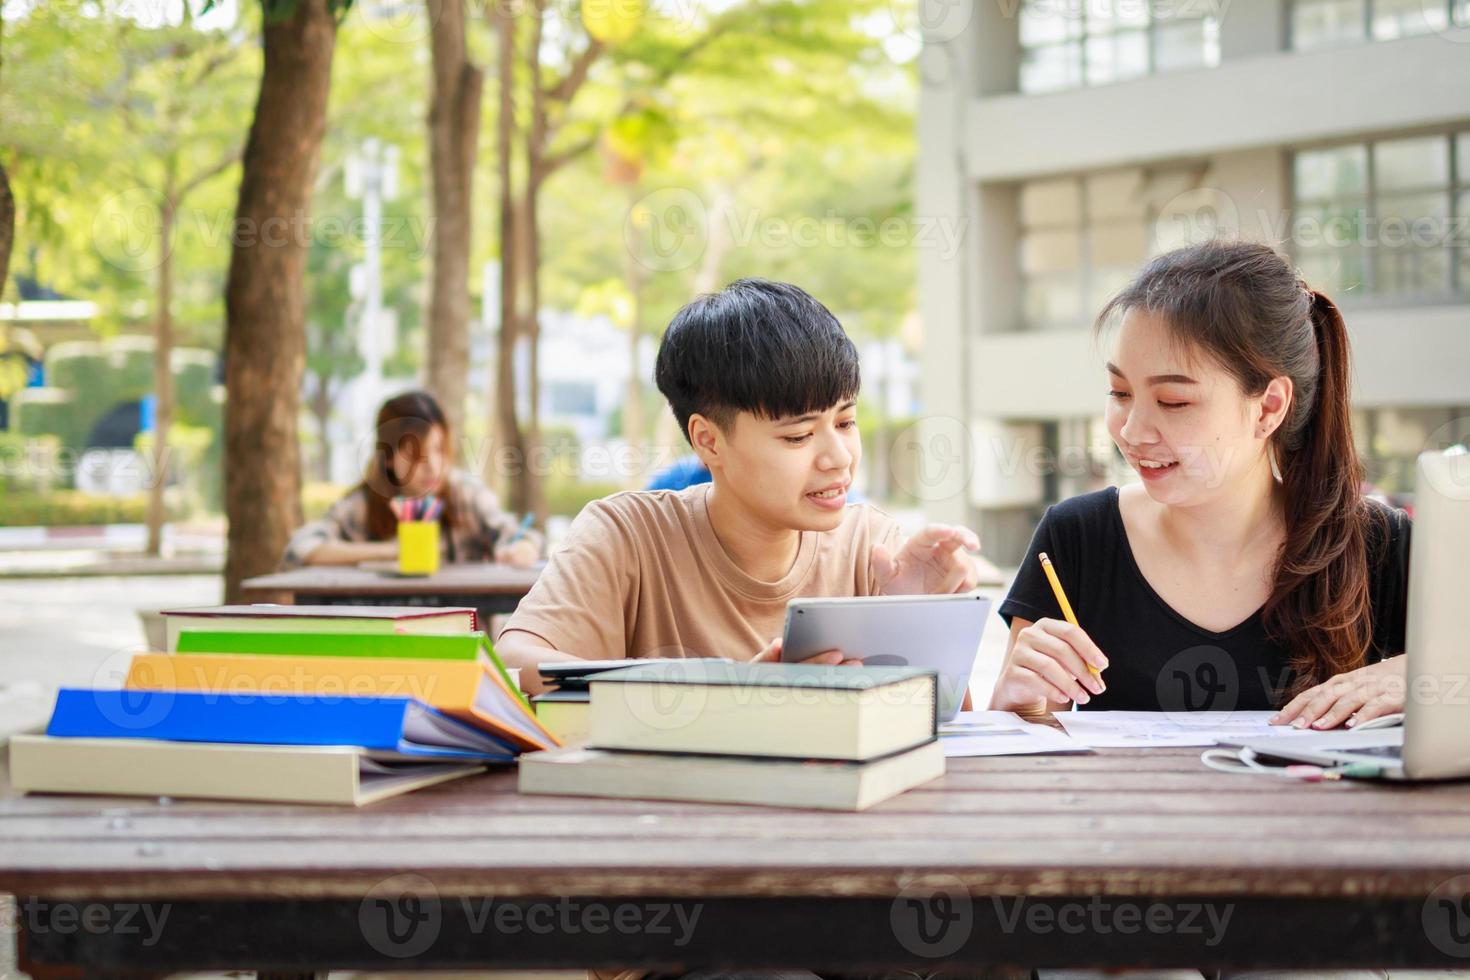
418 547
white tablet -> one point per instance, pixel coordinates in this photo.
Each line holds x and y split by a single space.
938 632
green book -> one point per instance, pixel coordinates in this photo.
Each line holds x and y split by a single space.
772 710
462 646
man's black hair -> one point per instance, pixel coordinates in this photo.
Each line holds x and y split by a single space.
756 346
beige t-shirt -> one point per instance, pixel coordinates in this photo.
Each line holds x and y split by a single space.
642 574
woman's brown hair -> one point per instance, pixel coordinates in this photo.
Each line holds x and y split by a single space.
403 426
1242 305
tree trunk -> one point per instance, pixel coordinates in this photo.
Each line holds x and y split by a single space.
454 126
634 426
265 343
163 375
7 228
508 444
533 491
7 200
320 406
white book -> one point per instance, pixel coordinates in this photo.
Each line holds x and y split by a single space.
219 771
815 784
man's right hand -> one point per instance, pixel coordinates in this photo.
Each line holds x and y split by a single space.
772 654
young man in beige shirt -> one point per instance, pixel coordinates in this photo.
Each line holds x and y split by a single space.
764 383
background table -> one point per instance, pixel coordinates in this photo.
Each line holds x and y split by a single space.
1124 858
491 589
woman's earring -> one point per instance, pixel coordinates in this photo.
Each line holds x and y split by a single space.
1275 467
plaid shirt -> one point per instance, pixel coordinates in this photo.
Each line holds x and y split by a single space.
482 524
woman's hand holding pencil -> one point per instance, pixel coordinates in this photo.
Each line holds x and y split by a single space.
1051 659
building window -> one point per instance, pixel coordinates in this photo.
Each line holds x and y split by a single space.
1326 23
1067 45
1387 218
1084 237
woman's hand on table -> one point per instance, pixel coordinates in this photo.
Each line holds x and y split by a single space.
1354 697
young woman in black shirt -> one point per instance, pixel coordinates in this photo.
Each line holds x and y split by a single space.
1246 570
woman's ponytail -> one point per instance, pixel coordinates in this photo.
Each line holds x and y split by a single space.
1320 606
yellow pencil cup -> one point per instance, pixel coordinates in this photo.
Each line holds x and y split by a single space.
418 547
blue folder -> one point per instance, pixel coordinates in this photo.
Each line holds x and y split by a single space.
401 726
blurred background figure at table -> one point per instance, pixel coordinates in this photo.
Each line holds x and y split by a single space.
413 460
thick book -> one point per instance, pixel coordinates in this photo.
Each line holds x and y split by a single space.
802 711
470 690
218 771
401 727
567 714
271 618
808 784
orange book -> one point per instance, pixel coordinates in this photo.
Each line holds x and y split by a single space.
470 690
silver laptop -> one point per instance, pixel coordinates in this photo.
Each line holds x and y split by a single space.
1434 741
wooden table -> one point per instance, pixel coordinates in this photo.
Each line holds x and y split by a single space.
1123 858
492 589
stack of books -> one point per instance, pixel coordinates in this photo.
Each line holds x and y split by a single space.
289 704
796 735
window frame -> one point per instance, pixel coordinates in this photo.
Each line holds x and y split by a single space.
1150 32
1457 184
1366 36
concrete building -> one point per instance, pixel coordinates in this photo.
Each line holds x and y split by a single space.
1074 138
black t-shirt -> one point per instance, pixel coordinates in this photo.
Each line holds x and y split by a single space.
1157 659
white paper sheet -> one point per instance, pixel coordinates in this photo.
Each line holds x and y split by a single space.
1155 729
977 733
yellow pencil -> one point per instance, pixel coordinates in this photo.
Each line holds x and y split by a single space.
1056 587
